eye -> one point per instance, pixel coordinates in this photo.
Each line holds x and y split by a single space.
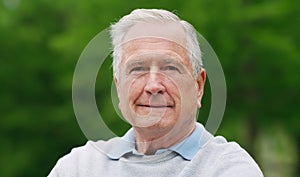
138 69
170 68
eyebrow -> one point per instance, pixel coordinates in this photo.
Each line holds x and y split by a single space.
133 63
168 61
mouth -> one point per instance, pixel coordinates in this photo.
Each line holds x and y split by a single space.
155 106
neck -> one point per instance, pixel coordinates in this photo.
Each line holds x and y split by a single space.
148 140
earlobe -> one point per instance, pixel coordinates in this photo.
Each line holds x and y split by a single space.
199 103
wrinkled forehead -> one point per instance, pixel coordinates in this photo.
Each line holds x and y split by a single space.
141 50
154 46
171 31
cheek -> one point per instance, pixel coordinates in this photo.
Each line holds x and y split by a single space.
132 89
188 93
182 87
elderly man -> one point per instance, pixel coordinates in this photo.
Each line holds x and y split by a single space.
160 80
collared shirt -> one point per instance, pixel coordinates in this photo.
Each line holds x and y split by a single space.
186 148
115 157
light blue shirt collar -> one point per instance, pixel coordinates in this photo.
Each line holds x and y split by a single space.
186 148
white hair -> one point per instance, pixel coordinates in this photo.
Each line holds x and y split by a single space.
120 28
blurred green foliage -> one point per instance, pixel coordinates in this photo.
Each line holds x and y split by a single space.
257 42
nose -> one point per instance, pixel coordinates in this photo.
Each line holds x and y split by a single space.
154 84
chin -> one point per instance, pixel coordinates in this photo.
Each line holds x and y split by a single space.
162 125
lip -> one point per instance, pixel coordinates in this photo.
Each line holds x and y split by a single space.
155 106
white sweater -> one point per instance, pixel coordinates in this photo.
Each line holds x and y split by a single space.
215 158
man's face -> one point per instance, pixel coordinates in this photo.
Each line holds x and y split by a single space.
156 86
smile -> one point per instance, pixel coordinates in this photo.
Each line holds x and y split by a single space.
155 106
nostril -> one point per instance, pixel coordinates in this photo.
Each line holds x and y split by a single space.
155 92
154 87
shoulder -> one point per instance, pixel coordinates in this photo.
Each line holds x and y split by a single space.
225 158
91 148
83 157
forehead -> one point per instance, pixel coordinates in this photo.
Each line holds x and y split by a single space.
156 38
148 45
154 48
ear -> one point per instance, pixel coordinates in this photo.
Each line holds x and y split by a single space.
200 83
117 85
118 89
